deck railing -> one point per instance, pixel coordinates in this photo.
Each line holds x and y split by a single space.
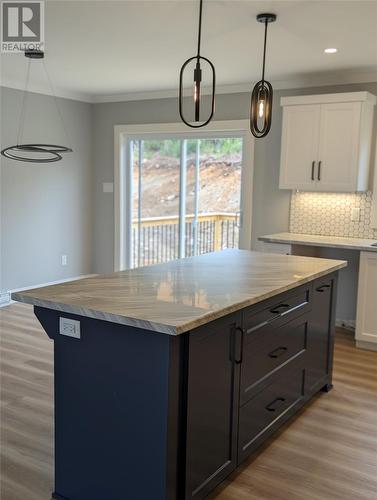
159 236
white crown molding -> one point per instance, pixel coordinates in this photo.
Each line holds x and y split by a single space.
315 80
304 81
65 94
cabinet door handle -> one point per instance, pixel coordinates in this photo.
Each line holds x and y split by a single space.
319 170
238 345
313 166
321 288
272 406
277 352
276 310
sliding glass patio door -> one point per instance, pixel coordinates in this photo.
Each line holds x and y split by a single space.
185 196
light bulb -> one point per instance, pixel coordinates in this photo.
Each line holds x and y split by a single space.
261 108
195 92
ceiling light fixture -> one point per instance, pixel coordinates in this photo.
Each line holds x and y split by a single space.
261 97
35 153
331 50
197 82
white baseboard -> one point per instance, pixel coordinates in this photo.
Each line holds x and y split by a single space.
369 346
347 324
4 299
7 295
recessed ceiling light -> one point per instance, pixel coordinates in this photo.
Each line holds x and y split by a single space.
331 51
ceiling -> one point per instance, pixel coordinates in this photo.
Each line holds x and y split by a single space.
95 49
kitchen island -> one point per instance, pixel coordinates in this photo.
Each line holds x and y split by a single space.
168 376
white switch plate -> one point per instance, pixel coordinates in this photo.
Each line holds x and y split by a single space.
355 215
64 260
69 327
108 187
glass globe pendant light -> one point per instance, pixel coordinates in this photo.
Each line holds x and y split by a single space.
39 152
261 97
197 83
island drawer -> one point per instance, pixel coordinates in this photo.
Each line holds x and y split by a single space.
263 414
277 310
268 350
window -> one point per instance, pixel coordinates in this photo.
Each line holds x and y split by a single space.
182 194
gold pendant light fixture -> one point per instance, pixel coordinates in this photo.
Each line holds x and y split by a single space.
39 152
197 83
262 94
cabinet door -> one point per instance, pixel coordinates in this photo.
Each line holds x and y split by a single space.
366 321
338 147
299 149
212 406
320 336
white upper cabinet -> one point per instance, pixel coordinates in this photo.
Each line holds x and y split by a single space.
299 149
326 142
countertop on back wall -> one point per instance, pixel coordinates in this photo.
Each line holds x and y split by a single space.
360 244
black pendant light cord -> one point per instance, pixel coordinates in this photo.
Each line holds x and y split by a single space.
264 49
25 99
200 28
56 103
24 105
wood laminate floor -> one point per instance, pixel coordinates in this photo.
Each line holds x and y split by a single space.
328 452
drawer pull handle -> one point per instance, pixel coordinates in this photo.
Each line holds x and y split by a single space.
278 315
271 407
276 310
277 352
321 288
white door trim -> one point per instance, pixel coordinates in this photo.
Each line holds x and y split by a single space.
123 180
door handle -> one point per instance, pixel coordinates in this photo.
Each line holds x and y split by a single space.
313 166
321 288
319 170
272 406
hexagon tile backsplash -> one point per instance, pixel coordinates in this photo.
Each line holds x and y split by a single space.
329 214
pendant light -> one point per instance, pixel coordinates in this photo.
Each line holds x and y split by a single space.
39 152
197 83
261 97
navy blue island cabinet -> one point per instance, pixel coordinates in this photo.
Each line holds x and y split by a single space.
142 415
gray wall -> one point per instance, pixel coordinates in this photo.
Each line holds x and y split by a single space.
270 205
45 209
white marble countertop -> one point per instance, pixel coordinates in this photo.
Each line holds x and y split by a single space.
321 241
180 295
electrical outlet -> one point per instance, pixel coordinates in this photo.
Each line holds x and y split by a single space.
64 260
69 327
355 215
